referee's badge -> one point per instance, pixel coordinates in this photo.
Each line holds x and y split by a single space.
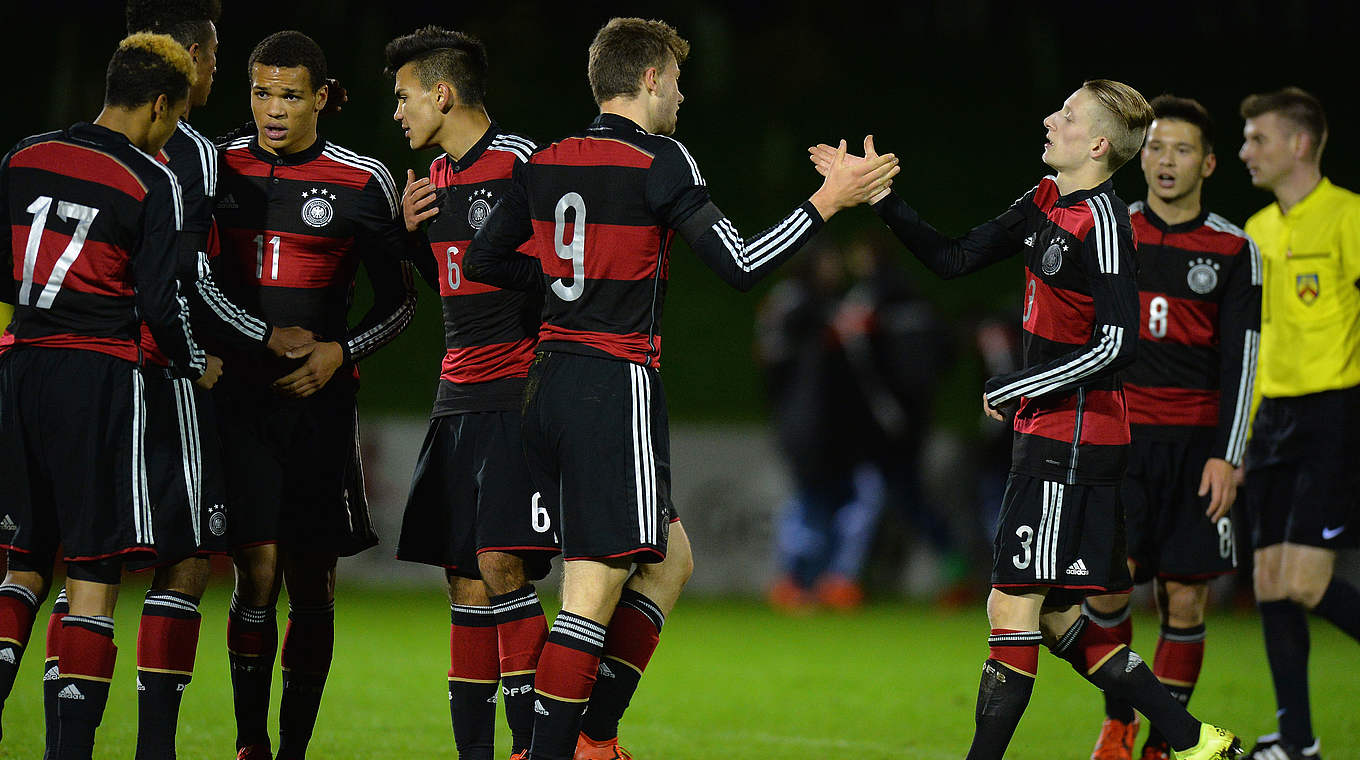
1307 288
479 208
1203 275
316 208
1053 258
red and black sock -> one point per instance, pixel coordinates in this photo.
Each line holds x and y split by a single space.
566 674
86 653
1180 654
307 649
167 641
1005 689
252 643
474 672
18 607
633 634
521 631
1119 625
1112 666
50 673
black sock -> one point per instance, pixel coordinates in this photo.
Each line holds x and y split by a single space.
307 649
1120 625
86 660
1110 665
50 674
252 643
1286 633
474 678
1340 606
566 675
632 637
1003 695
167 641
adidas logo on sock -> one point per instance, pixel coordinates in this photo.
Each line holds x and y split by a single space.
228 202
8 524
51 674
1134 661
1078 568
605 671
7 655
539 708
70 692
180 687
491 700
140 687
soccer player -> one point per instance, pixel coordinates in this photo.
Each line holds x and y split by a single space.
298 214
96 217
597 211
1189 397
1302 481
472 509
1061 532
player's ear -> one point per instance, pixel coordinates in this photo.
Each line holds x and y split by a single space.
323 94
1210 163
160 107
649 79
193 51
443 97
1100 148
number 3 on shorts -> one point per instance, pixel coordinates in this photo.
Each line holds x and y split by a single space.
538 516
1026 536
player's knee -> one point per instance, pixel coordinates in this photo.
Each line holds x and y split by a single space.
33 581
188 577
1267 581
1305 589
1185 604
1107 604
501 572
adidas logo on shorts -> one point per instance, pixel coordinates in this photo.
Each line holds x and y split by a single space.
1078 568
539 708
228 202
8 523
70 692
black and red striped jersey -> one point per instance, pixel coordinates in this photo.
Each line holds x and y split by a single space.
489 333
596 213
1199 292
1080 322
193 159
294 229
91 244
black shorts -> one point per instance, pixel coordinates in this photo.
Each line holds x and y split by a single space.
184 462
73 456
1067 538
293 472
1303 471
472 493
595 436
1169 535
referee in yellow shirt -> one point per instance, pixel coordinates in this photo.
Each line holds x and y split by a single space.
1303 461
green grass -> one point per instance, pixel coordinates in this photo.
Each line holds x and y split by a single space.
731 680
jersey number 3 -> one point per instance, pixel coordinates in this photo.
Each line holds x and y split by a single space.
84 217
574 251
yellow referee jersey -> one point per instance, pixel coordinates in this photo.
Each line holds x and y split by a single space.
1310 304
6 314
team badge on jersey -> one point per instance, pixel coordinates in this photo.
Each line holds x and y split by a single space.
316 208
1053 258
1307 288
479 208
217 519
1203 276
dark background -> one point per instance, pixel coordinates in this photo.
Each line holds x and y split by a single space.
957 89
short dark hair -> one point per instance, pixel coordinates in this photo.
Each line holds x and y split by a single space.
146 66
291 49
1297 106
442 55
626 47
1189 110
185 20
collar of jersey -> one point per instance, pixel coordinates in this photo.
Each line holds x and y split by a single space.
91 132
476 151
291 159
614 121
1078 196
1308 200
1172 229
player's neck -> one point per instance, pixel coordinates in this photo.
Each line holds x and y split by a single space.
1296 186
1085 177
1178 210
463 128
634 109
131 124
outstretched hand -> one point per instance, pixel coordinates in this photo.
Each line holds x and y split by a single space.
822 157
852 180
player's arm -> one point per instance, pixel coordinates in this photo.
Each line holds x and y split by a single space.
678 195
154 262
493 256
1108 256
387 252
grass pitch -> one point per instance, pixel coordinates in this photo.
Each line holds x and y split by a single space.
731 680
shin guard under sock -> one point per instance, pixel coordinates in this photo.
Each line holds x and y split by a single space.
167 642
1120 626
630 640
18 607
51 675
1286 636
86 654
308 646
566 675
252 643
1180 655
474 672
1004 692
521 631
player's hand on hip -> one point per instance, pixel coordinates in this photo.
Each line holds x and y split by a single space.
323 359
1219 483
285 339
851 180
417 201
211 372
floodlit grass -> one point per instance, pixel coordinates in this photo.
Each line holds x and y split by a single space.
731 680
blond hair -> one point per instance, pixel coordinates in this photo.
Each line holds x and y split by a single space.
624 48
1125 117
